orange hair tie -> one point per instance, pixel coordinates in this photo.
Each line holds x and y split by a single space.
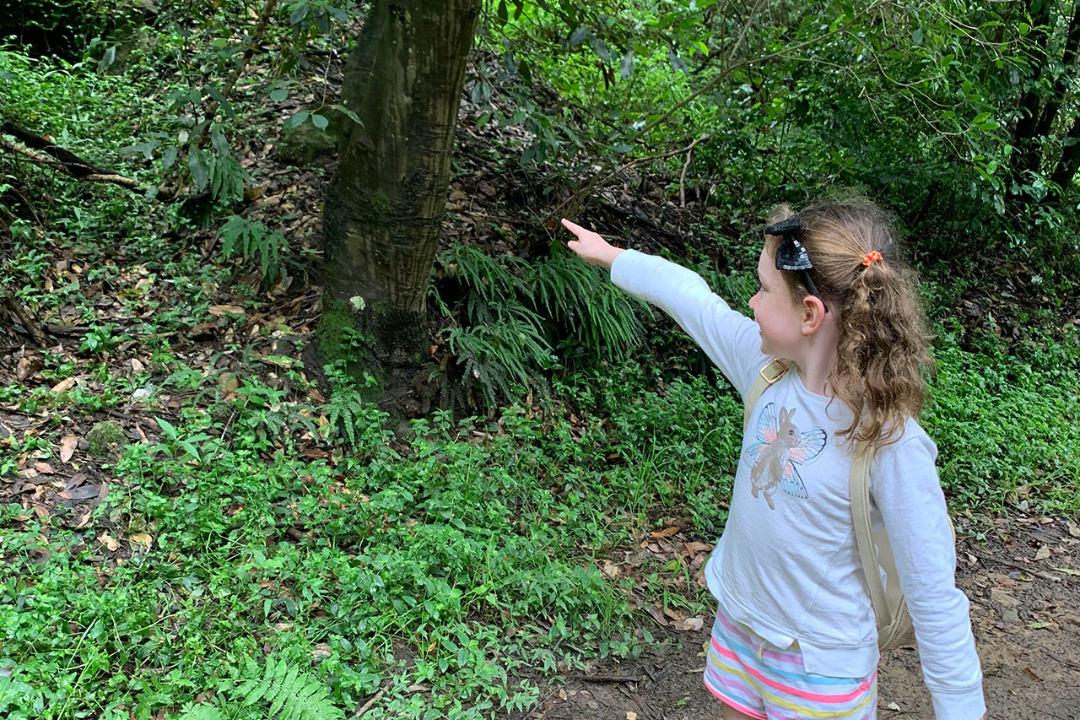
871 258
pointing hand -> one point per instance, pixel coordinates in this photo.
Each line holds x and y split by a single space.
590 247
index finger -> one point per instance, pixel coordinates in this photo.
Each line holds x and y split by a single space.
573 227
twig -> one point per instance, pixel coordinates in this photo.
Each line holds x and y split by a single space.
17 311
600 178
1031 571
367 706
685 167
607 678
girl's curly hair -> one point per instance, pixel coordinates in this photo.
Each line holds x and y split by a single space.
883 349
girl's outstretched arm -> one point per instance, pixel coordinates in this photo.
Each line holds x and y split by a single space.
729 338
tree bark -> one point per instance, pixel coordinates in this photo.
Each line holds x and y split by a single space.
1061 82
384 206
1070 158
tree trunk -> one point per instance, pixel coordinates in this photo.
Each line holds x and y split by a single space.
1061 82
385 204
1070 158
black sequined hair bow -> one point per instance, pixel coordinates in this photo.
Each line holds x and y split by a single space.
791 254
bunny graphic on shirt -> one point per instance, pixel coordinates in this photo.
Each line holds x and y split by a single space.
778 449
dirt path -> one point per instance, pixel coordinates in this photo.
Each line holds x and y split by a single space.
1024 586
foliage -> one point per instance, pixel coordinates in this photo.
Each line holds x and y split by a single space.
518 311
465 555
254 241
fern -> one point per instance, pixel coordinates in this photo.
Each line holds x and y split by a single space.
290 693
497 355
201 712
341 412
599 315
491 285
226 179
351 418
254 240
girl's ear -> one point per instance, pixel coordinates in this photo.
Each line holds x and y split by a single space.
813 314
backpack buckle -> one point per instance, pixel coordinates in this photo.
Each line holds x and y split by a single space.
773 371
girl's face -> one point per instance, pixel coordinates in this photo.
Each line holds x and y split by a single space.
777 314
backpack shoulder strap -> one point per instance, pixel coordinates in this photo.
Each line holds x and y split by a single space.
767 376
876 555
886 599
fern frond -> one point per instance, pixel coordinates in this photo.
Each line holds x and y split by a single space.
599 315
497 355
226 179
291 693
490 281
201 712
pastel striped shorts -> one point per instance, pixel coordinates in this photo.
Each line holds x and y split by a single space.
763 681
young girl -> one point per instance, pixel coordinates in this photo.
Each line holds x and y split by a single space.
795 635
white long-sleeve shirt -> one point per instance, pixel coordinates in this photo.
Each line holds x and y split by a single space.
787 564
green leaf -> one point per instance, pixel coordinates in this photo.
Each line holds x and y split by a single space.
279 94
166 427
347 113
319 121
168 157
199 166
107 59
297 119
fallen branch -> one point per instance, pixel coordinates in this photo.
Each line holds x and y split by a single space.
72 163
367 706
19 314
76 168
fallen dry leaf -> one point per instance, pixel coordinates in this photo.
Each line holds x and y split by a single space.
676 615
28 367
696 548
631 715
666 532
220 310
691 624
1043 553
108 541
657 614
63 385
141 539
67 447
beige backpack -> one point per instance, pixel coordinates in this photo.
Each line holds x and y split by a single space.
893 622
